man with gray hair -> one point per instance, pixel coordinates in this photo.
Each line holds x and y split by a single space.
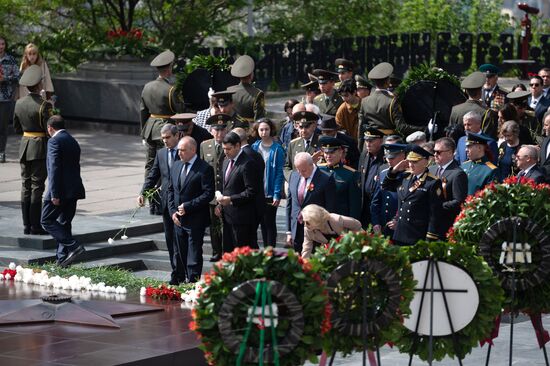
306 185
526 160
472 124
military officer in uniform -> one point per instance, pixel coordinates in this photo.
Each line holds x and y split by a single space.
420 199
159 101
329 127
381 110
479 169
329 100
31 114
312 90
249 101
186 127
211 151
528 123
472 85
493 95
307 142
363 86
344 68
226 106
384 202
346 178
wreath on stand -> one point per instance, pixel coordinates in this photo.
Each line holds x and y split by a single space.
487 222
490 302
360 266
261 307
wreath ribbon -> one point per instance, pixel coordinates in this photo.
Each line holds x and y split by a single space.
542 334
494 333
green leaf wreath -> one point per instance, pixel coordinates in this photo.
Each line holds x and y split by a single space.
491 297
239 267
384 312
424 72
522 200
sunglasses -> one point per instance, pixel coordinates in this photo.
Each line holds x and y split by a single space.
438 152
534 85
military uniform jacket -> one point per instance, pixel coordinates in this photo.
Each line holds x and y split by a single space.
383 207
382 111
328 105
480 173
158 102
214 158
30 117
419 207
347 189
249 101
370 168
495 99
298 145
489 119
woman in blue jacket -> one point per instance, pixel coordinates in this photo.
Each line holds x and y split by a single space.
273 154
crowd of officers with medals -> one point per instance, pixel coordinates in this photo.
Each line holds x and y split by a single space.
345 147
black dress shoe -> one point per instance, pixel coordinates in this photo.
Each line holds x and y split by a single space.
26 230
38 231
215 258
73 256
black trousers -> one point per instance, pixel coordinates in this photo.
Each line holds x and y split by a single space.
188 249
170 244
56 220
239 236
299 237
269 224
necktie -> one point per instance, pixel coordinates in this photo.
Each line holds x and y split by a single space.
439 171
218 150
183 174
307 145
229 169
521 174
302 190
170 158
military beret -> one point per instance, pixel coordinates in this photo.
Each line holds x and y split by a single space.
392 150
324 76
218 121
242 67
518 96
311 86
416 136
381 71
373 133
477 138
163 59
330 144
223 98
31 76
343 65
473 81
362 83
328 124
417 153
489 69
305 118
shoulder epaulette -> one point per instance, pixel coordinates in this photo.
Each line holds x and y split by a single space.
318 97
490 165
296 139
432 176
349 168
530 113
322 164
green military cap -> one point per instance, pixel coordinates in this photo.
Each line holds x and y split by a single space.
473 81
362 83
489 69
311 86
242 67
218 121
305 118
373 133
31 76
224 97
381 71
324 76
477 138
330 144
518 96
343 65
163 59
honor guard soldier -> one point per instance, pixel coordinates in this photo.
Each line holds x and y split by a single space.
344 68
226 106
381 109
528 124
384 202
31 114
363 86
472 85
346 178
307 142
420 199
493 95
329 100
249 101
158 102
211 151
479 169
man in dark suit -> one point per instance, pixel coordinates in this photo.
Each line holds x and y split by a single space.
454 180
64 189
237 201
545 148
307 185
190 190
526 160
537 101
164 160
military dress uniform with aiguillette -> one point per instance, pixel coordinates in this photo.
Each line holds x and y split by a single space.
30 117
249 102
347 189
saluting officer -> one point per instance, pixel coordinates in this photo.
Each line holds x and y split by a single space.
226 106
419 197
381 109
307 142
345 177
158 102
479 169
211 151
329 100
249 101
31 114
